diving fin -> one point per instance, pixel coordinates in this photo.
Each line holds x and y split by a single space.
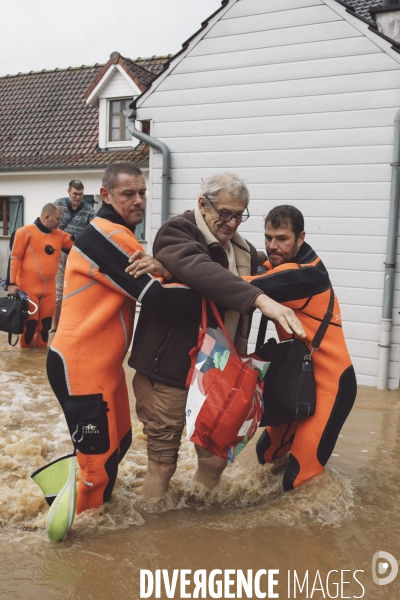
52 477
58 483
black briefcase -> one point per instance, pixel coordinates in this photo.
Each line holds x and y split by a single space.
289 384
13 314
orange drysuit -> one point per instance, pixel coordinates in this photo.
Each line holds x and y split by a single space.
304 286
33 267
85 359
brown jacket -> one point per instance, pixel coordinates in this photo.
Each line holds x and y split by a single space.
161 344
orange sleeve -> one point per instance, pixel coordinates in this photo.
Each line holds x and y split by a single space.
20 245
66 240
291 281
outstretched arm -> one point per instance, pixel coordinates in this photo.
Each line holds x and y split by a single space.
109 258
283 315
143 263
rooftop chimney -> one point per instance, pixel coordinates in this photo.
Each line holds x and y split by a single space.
387 18
114 57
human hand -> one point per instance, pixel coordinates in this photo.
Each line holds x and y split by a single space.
283 315
142 263
12 289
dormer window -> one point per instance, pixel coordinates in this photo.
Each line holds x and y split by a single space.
118 127
113 91
10 214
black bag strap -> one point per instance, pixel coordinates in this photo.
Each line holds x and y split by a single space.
10 338
67 222
262 330
320 331
315 344
63 227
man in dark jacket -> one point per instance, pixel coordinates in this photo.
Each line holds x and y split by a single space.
76 215
202 249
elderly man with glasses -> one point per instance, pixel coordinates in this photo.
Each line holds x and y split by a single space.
203 249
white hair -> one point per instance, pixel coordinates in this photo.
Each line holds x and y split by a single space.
225 182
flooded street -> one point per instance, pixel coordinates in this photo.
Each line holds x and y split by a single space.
335 522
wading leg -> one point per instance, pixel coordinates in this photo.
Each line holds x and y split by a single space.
316 437
209 470
27 339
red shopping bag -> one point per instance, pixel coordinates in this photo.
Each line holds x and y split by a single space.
224 404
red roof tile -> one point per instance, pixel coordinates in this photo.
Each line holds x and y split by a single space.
154 64
97 159
361 7
46 123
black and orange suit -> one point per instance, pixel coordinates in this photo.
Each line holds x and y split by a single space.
84 364
304 286
33 267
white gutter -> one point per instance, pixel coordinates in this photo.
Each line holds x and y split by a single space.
390 263
166 165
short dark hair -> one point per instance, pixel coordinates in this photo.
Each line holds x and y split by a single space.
50 209
114 170
286 215
76 184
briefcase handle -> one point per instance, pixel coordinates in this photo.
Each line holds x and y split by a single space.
35 305
27 299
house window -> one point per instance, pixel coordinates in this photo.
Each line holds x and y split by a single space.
119 131
4 215
10 214
140 231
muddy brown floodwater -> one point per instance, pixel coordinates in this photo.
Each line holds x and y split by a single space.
333 524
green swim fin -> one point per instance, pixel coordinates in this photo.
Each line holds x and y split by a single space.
52 477
58 483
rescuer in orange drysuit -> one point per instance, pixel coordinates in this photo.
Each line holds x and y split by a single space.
296 277
85 359
32 268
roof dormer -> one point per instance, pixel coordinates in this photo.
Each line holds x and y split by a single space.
119 82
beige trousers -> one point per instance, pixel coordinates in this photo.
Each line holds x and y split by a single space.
161 409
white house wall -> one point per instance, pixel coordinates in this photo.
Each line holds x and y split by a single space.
300 100
37 189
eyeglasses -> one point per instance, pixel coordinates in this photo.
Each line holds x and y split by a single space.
226 216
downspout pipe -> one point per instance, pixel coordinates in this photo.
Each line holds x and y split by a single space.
390 263
166 163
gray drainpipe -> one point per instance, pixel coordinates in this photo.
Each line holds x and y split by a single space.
390 264
166 164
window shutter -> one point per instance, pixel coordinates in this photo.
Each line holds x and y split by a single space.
16 213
